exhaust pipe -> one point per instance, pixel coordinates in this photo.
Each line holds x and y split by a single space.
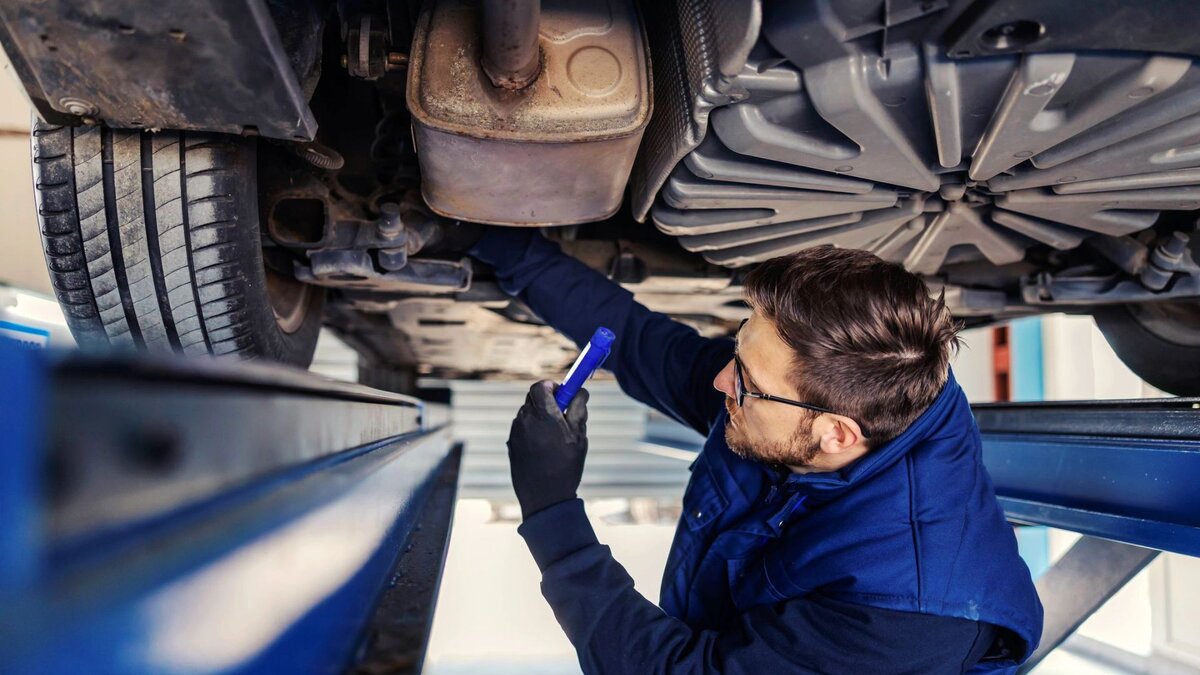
510 42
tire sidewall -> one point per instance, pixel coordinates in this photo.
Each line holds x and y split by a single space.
295 348
1167 365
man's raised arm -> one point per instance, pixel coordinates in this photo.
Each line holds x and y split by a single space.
658 361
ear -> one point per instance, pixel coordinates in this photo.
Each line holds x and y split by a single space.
839 435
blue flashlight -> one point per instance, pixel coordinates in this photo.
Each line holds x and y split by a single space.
589 360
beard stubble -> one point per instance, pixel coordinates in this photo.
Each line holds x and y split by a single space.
797 451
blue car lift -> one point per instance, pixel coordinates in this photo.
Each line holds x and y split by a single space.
1124 473
185 517
182 517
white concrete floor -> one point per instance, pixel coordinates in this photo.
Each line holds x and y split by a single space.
491 616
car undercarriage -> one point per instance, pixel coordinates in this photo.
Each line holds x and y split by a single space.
226 176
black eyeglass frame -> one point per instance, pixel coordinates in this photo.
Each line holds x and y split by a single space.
742 392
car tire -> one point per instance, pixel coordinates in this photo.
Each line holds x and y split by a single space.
1159 341
152 243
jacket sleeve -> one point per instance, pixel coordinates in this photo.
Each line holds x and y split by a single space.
657 361
616 630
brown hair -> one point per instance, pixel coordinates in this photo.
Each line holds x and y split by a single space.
870 342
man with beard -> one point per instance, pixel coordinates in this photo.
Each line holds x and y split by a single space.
838 519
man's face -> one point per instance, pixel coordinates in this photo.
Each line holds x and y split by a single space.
766 431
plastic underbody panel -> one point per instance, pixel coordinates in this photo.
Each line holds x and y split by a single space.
890 143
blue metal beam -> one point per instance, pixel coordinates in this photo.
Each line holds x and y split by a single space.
21 404
1120 470
198 566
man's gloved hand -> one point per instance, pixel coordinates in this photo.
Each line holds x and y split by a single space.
546 449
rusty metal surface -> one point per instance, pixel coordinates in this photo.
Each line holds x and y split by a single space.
510 42
556 152
523 183
217 65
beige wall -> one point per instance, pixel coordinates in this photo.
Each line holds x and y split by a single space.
21 262
973 365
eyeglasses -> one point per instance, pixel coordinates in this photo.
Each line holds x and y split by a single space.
742 392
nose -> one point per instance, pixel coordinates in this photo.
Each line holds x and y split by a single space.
724 381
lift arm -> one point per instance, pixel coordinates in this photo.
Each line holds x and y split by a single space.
172 516
1123 473
1122 470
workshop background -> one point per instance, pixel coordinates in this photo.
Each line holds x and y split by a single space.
491 617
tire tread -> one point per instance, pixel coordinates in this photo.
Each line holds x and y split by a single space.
147 244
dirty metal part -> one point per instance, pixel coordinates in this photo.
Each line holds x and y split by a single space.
290 301
346 251
1162 271
353 270
556 153
965 302
838 104
627 268
318 155
1168 258
376 255
480 332
464 338
1127 253
1046 289
217 65
368 334
716 37
367 54
406 224
510 42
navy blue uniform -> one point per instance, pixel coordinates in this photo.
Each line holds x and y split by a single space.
901 562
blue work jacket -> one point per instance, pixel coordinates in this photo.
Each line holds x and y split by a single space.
865 569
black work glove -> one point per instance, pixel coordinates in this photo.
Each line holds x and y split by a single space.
546 449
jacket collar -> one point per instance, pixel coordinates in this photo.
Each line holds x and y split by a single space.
935 417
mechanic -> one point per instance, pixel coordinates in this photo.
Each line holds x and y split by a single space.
838 519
